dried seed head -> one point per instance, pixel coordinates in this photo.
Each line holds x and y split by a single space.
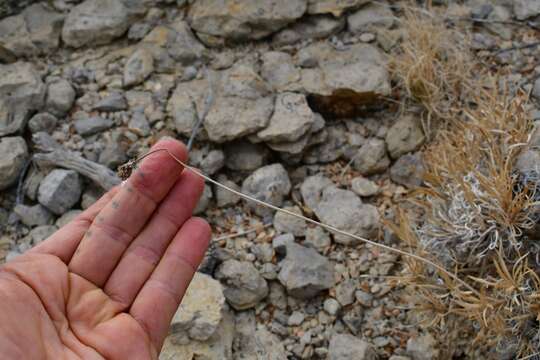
124 171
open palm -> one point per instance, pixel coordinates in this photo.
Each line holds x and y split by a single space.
106 285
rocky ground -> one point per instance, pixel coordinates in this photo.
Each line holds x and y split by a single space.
293 96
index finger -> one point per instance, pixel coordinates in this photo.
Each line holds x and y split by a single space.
125 215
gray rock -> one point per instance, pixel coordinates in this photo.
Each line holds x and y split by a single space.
312 189
253 343
217 347
524 9
114 153
40 233
280 243
536 88
317 238
204 201
67 218
201 311
92 125
365 299
343 346
334 7
422 347
243 81
111 103
60 97
371 158
304 272
213 162
404 136
34 215
364 187
345 211
35 31
312 27
224 197
371 17
253 20
139 124
138 67
345 292
358 67
296 318
278 69
42 122
173 43
292 118
408 170
245 156
244 287
284 223
331 306
233 117
95 22
270 184
14 156
60 190
21 93
331 147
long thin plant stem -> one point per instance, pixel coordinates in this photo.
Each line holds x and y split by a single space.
311 221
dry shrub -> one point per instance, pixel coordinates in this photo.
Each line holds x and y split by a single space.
476 210
433 65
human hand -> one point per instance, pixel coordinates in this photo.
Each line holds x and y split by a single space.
106 285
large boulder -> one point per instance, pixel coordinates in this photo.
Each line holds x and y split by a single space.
249 19
21 94
95 22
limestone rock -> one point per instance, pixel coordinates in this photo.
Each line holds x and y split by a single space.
422 347
312 189
292 118
21 93
14 155
364 187
284 223
304 272
34 215
201 310
278 69
408 170
42 122
404 136
33 32
217 347
334 7
312 27
138 67
525 9
345 211
371 17
60 97
252 19
343 345
95 22
60 190
244 287
371 158
92 125
270 183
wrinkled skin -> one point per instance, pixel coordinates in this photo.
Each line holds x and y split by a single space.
106 285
